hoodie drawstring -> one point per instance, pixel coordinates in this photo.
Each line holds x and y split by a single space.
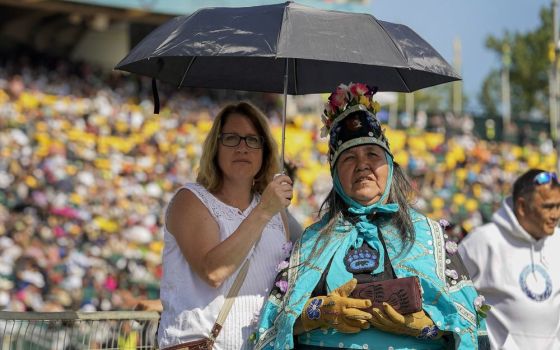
533 261
542 259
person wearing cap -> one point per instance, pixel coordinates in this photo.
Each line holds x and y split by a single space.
514 262
368 232
232 212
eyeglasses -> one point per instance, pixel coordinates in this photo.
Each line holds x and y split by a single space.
545 177
233 140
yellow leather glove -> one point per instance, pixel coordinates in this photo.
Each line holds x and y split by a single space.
417 324
337 311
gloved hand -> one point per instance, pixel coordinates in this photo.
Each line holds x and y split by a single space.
337 311
417 324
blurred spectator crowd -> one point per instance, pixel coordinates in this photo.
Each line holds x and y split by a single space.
85 170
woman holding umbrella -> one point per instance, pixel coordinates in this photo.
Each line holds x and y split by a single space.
372 272
227 222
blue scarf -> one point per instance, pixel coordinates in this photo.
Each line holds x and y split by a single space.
363 230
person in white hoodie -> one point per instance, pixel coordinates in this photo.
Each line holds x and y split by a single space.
514 262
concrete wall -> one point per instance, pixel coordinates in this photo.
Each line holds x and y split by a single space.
104 48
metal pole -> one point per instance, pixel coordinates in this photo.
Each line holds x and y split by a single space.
552 103
506 101
554 85
457 85
393 110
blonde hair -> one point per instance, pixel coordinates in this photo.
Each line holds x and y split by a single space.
210 175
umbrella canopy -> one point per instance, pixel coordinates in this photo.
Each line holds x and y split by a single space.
257 48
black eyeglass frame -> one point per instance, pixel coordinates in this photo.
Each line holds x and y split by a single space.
244 138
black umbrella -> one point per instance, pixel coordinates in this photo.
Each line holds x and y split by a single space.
286 48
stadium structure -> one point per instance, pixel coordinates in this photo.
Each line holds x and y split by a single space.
103 31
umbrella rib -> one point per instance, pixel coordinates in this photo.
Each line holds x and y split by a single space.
187 71
390 38
403 80
284 14
399 50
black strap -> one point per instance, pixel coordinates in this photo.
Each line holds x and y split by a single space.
156 96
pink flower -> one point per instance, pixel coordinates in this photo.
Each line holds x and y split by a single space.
444 224
451 247
282 266
479 301
481 307
283 285
333 107
255 319
338 98
358 89
287 248
452 274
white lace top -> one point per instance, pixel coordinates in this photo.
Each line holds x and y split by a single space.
191 306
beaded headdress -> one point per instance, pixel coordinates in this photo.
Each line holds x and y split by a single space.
350 120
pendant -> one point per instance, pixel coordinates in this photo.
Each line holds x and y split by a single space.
361 260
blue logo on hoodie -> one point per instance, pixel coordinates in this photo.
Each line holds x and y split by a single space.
532 283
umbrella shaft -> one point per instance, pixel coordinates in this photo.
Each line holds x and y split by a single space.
283 141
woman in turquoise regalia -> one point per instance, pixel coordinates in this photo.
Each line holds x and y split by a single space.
369 232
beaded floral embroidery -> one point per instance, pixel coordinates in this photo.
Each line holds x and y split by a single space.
314 309
429 332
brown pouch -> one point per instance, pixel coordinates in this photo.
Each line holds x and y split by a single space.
201 344
403 294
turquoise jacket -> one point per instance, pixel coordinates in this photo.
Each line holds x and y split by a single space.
448 297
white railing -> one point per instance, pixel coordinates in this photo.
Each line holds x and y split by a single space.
122 330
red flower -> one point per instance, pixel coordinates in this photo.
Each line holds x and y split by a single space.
359 89
338 98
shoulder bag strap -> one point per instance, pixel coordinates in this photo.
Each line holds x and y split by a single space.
234 290
230 298
286 221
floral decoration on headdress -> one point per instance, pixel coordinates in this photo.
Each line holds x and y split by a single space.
344 97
